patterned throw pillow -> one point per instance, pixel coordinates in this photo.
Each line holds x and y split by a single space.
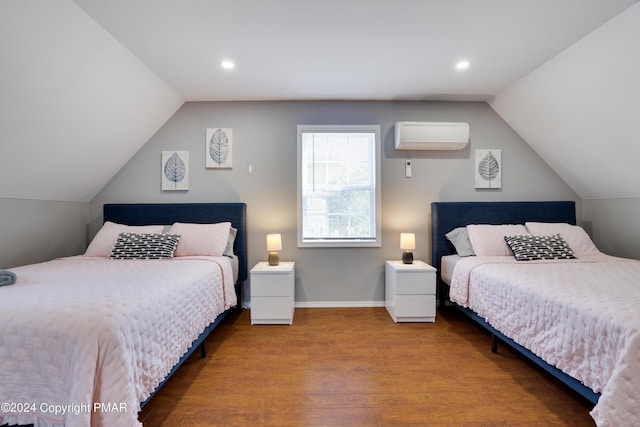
144 246
530 248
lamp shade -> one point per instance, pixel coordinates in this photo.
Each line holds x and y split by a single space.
407 241
274 242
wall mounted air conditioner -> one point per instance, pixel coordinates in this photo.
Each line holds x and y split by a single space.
431 135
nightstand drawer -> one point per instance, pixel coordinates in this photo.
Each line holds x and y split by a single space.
418 282
272 285
416 305
272 308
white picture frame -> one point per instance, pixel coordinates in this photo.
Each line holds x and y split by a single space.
219 148
488 168
175 170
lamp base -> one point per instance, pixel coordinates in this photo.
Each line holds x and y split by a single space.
274 258
407 257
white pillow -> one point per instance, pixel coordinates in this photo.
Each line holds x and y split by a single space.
488 240
459 237
228 250
201 239
575 236
105 240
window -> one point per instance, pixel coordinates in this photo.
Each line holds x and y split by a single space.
338 186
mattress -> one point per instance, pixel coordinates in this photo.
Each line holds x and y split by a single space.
447 265
84 340
235 267
579 315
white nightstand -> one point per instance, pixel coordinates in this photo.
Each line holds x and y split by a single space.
273 293
410 291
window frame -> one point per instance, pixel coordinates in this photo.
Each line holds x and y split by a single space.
342 243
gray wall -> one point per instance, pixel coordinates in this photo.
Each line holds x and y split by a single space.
613 223
38 230
264 136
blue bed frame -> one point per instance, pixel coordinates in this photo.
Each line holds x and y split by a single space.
445 216
200 213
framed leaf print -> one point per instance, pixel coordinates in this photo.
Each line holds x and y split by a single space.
488 166
175 170
219 145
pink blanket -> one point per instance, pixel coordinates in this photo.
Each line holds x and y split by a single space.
581 316
84 340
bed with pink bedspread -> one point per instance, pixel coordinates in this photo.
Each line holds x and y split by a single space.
578 318
87 339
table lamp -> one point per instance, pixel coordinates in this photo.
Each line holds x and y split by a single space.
274 244
407 244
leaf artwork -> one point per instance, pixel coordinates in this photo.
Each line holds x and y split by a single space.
219 147
175 169
489 168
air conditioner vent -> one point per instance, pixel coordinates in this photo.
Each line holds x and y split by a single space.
431 135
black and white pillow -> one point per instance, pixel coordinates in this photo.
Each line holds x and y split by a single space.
531 248
145 246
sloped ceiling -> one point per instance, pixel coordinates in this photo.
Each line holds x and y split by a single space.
581 110
86 83
75 104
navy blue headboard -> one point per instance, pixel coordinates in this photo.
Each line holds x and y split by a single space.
445 216
200 213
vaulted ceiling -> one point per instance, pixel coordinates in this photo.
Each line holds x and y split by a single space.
86 83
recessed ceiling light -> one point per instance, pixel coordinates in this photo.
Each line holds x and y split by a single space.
462 65
227 65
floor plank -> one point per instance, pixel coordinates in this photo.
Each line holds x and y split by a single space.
355 367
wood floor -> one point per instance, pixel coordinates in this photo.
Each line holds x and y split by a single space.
355 367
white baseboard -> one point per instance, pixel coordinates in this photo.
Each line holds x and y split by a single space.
339 304
330 304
